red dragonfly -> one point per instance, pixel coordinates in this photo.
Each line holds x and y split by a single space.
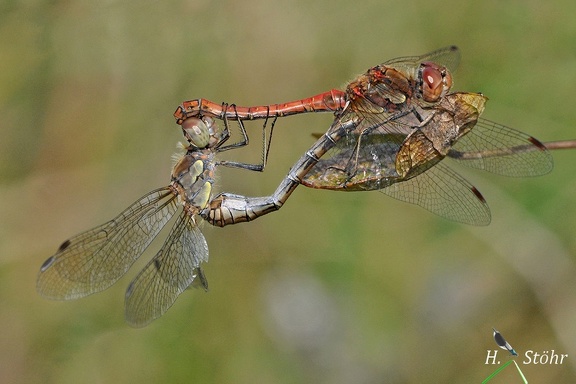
393 125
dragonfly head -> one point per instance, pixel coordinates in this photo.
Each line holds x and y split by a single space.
435 81
199 132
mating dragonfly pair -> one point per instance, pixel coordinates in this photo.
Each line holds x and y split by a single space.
393 125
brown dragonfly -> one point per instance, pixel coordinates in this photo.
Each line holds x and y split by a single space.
409 168
393 125
94 260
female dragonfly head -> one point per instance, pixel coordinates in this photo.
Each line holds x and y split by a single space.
201 132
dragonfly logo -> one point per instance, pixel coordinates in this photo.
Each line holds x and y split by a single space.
502 343
530 357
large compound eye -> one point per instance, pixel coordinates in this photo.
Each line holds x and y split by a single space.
432 77
215 134
209 124
196 132
436 81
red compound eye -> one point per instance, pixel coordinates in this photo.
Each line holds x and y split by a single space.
432 77
436 81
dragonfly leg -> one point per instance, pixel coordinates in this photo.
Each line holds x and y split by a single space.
266 141
226 116
332 101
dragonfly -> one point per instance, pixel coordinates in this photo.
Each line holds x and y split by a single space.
502 343
393 125
94 260
409 168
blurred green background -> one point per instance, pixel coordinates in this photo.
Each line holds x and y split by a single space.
333 288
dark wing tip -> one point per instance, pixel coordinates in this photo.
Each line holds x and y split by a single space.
486 217
64 245
537 143
479 196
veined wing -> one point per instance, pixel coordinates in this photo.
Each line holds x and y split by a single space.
379 153
445 193
369 166
447 56
502 150
94 260
370 127
434 187
172 270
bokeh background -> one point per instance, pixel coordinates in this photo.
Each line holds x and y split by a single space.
333 288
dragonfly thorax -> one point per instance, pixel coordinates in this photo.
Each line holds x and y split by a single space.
192 178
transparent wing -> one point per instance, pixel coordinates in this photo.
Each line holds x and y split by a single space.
436 188
172 270
502 150
368 130
94 260
447 56
445 193
369 167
